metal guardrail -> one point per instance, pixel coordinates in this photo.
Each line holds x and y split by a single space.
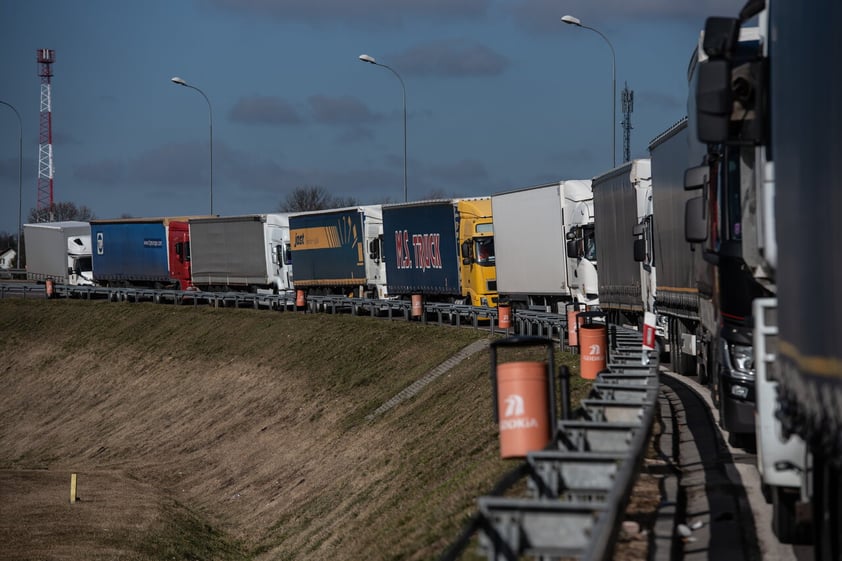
524 322
578 487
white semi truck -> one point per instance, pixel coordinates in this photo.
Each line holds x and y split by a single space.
59 251
545 247
241 253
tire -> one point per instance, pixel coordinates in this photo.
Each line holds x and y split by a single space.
827 493
785 524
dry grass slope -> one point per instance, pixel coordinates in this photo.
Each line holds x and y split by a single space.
202 433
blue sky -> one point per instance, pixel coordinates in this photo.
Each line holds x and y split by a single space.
500 95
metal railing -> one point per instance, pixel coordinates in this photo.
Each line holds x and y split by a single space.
578 487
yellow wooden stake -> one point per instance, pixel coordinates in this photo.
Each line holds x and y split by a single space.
72 487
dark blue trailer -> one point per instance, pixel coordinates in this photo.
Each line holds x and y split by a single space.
141 252
421 246
337 251
442 250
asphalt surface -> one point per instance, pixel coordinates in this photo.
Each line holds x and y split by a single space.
717 489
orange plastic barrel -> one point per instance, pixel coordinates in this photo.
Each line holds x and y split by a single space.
48 287
592 342
299 299
572 328
416 306
504 316
523 406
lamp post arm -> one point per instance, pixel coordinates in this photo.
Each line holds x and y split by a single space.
20 173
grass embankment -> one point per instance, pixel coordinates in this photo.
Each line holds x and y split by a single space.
203 433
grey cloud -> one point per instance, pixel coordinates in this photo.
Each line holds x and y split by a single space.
364 13
461 174
264 110
105 172
452 57
544 16
660 100
177 164
344 110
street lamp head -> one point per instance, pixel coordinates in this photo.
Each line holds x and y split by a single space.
572 20
179 81
369 59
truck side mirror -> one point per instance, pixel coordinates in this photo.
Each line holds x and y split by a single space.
466 252
374 249
573 249
695 178
713 101
695 221
721 34
639 250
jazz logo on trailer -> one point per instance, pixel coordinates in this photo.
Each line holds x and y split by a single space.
514 414
426 250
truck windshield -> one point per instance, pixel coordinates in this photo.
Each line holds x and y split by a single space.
484 250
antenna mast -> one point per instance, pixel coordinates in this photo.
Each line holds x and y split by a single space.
44 207
628 106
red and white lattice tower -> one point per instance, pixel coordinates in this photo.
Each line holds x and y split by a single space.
46 57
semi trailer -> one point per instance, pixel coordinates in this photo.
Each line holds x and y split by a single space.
241 253
338 252
546 254
142 252
59 251
442 250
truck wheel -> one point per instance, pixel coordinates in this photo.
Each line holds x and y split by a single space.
784 522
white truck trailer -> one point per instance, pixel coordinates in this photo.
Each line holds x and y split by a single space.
241 253
545 246
59 251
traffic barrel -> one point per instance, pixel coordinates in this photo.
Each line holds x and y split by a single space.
523 398
504 315
573 310
593 342
417 306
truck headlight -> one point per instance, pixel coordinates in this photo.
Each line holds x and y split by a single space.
739 391
742 358
483 301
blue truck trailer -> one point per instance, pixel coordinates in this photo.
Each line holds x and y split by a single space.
151 252
338 252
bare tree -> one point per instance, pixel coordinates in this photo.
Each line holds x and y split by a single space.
61 211
312 197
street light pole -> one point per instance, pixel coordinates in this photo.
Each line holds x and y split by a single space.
182 82
20 172
370 60
575 21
